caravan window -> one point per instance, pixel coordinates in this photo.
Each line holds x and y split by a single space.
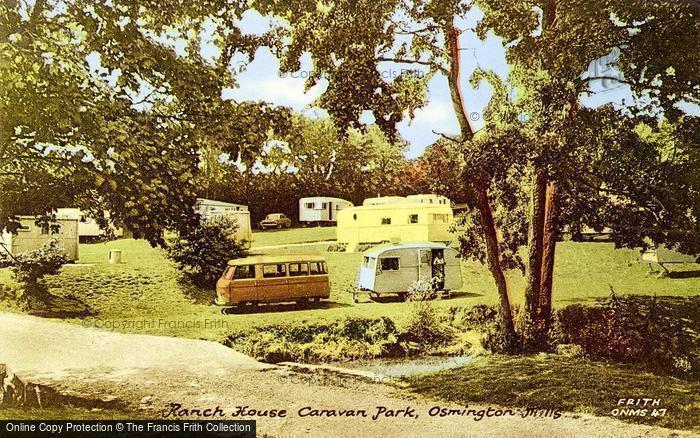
273 271
439 218
243 272
390 264
298 269
386 221
412 218
324 205
309 205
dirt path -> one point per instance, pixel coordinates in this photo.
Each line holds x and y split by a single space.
151 372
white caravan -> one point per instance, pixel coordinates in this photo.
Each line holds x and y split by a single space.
393 269
321 210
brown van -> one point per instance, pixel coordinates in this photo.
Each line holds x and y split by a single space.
270 279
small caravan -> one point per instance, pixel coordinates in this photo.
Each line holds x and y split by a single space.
321 210
88 228
393 269
209 209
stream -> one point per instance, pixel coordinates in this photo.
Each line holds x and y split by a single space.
407 367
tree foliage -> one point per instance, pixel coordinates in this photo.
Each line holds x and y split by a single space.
102 110
202 252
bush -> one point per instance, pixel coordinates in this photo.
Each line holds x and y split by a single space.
484 319
203 252
424 325
632 331
31 267
348 339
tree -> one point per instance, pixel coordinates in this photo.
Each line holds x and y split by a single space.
541 138
312 159
100 111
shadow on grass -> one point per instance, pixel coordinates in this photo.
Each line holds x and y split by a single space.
281 307
567 384
683 274
396 299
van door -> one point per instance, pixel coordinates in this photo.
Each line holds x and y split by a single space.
243 285
298 280
273 286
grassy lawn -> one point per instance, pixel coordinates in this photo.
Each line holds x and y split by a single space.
143 294
293 235
568 384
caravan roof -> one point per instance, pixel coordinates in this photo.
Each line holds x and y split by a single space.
376 251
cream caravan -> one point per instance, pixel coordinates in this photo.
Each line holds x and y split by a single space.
394 220
393 269
321 210
209 209
88 228
30 236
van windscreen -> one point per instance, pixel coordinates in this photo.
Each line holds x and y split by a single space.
228 273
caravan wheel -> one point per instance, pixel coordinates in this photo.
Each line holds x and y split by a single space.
403 296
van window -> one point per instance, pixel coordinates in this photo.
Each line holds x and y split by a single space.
244 272
390 264
412 218
318 268
297 269
273 271
386 221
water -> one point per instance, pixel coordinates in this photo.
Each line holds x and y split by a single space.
407 367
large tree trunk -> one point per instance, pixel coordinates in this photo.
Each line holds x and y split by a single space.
529 324
481 198
494 263
549 242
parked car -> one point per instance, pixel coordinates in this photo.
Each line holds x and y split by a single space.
275 220
273 279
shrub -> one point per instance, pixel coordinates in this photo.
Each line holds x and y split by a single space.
424 325
348 339
337 247
203 252
31 267
631 331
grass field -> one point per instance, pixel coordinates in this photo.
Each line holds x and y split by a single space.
143 294
293 235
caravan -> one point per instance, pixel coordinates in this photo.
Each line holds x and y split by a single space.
321 210
393 269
